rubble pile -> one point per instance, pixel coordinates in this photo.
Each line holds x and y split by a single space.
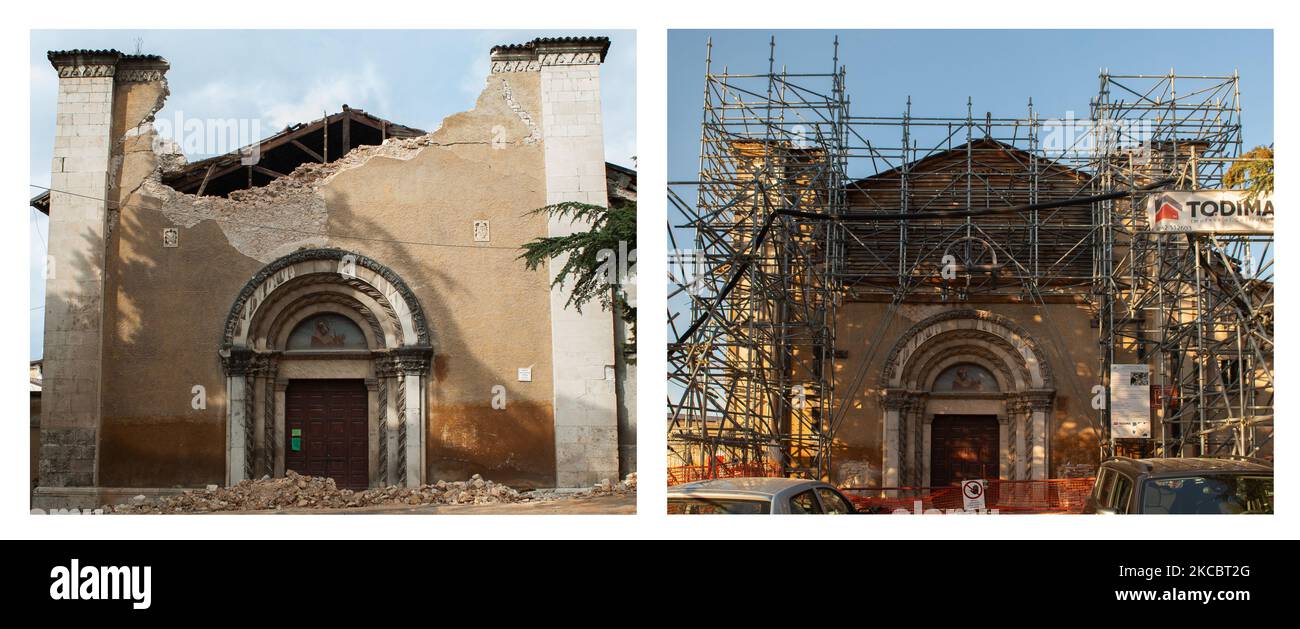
298 491
603 488
295 491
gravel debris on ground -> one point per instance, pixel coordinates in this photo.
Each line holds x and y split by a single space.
295 491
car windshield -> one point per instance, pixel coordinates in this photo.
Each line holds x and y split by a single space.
707 506
1209 493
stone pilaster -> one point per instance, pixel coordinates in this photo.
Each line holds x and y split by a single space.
912 439
927 438
281 386
1018 426
387 429
1039 404
582 344
895 402
412 366
1005 459
266 439
374 429
74 282
82 173
239 366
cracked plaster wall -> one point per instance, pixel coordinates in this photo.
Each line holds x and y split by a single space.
166 306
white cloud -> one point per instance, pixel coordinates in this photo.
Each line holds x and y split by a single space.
330 95
475 76
219 96
275 105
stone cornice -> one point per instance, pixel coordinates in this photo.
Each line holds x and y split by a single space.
107 64
514 63
87 69
141 69
542 52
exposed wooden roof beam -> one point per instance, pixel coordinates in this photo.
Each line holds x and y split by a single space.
267 171
304 148
206 175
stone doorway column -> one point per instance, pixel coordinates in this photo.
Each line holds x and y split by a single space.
1028 414
280 387
264 413
1039 409
895 402
238 365
411 365
1005 461
915 441
927 434
388 420
1017 437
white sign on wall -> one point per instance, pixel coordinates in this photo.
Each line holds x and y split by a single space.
1130 402
1204 211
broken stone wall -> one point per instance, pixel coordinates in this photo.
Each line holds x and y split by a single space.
489 317
164 313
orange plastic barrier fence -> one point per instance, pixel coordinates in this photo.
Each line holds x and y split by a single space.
691 473
1058 495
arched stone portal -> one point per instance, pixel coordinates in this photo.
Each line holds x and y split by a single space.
260 358
1019 395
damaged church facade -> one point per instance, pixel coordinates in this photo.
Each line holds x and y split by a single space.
343 300
901 303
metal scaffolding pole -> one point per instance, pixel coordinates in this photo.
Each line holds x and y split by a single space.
781 236
751 379
1197 307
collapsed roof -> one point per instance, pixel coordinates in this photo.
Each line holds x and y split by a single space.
323 140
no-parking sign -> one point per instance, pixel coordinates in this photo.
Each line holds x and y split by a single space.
972 495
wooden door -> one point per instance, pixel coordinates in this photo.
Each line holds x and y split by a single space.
963 447
327 432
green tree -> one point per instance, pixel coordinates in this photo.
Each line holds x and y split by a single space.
592 265
1254 172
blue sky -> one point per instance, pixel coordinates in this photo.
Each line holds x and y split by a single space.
998 69
415 78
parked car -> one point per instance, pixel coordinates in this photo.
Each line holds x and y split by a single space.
1236 485
758 496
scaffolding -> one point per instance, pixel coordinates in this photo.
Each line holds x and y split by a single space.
953 209
1197 307
762 272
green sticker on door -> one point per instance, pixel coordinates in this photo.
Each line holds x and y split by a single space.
295 439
